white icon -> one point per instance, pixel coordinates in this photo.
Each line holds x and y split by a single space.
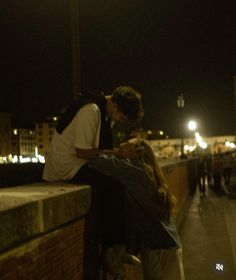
219 267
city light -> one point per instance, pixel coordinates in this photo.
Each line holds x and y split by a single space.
41 159
21 159
24 159
230 145
192 125
199 140
189 148
15 159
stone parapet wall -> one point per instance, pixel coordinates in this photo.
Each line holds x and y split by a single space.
43 227
42 231
177 177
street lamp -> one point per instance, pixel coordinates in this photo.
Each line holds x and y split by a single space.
180 101
180 104
192 125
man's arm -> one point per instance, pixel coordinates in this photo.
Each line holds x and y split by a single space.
89 153
128 151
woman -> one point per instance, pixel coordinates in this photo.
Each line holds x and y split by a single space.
149 209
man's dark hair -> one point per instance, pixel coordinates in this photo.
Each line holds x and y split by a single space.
129 102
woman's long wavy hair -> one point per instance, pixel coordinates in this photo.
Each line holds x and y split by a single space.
162 197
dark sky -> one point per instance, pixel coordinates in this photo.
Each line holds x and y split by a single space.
163 48
160 47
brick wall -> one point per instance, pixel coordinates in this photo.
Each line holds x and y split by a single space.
57 255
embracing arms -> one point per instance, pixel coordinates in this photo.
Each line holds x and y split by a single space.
121 152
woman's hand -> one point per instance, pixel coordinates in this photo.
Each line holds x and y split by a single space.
130 150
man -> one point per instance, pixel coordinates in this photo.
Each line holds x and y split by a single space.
83 131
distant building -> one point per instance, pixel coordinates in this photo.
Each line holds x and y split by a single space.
23 142
5 133
43 134
165 148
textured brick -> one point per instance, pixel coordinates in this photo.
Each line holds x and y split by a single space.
51 258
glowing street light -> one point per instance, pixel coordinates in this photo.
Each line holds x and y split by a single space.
200 141
230 145
192 125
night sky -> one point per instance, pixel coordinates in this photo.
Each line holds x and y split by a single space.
162 48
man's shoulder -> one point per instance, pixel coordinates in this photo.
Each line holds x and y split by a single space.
88 112
90 107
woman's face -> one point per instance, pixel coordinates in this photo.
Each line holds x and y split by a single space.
132 148
129 144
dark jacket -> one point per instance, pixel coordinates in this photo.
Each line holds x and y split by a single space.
152 232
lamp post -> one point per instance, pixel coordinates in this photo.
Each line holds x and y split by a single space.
180 104
74 30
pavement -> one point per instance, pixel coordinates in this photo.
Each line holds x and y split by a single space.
208 232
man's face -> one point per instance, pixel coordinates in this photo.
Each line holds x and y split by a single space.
116 115
120 117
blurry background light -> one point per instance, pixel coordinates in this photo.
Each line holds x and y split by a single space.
200 142
230 145
15 159
192 125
